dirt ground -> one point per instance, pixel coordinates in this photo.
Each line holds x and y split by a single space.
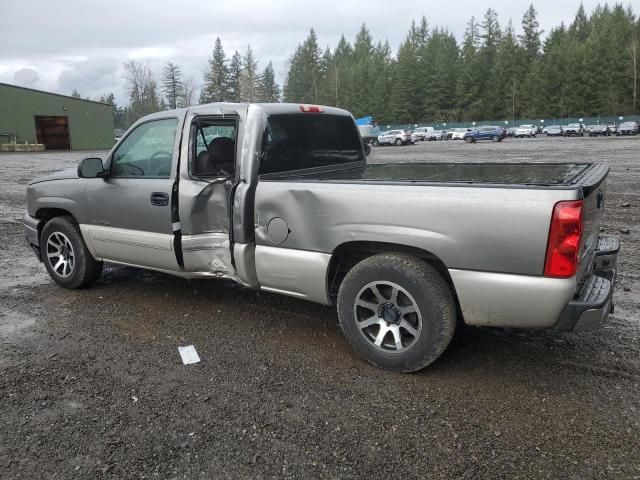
92 386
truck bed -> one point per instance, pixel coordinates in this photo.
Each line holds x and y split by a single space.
508 174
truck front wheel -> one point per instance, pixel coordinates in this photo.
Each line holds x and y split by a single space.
396 311
66 256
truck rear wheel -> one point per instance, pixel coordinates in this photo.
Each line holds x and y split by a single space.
396 311
66 256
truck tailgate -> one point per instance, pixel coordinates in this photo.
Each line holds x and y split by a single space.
592 183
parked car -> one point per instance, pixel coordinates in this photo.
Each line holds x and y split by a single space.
458 133
554 131
627 128
395 137
421 133
495 134
597 130
612 127
300 212
437 135
511 132
526 131
574 129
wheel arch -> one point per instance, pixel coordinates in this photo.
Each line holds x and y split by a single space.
45 214
347 255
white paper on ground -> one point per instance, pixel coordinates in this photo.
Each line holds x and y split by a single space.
189 354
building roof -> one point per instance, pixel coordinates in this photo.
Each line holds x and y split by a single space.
51 93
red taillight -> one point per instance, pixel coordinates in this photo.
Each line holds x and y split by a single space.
565 234
311 109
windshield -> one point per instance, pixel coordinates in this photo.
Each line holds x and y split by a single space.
300 141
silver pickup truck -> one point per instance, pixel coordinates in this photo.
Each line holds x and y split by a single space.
280 197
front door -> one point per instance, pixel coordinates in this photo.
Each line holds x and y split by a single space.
130 210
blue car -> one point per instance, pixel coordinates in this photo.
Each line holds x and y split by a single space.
495 134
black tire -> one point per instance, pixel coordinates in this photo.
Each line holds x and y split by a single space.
468 139
398 142
495 138
432 296
83 270
375 143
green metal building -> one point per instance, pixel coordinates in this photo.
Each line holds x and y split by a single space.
57 121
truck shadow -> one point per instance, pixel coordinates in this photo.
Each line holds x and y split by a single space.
202 306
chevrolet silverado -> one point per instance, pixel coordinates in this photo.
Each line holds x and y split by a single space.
281 198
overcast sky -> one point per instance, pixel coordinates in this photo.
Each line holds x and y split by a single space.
65 44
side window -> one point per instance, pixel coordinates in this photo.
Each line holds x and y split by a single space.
213 143
147 151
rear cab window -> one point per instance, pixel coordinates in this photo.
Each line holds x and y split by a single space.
304 141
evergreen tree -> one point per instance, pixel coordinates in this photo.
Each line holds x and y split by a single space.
269 89
233 78
303 79
249 79
402 105
440 72
119 119
333 86
469 81
172 86
580 26
506 75
381 83
361 74
216 86
530 39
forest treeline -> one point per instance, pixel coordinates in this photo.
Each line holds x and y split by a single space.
586 68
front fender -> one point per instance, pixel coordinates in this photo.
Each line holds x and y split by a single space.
66 195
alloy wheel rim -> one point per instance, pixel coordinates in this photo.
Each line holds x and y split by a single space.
387 316
60 254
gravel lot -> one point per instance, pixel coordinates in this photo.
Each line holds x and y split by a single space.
92 386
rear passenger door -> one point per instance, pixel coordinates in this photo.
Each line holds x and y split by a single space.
130 209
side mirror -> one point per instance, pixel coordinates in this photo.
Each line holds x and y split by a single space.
367 149
91 168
